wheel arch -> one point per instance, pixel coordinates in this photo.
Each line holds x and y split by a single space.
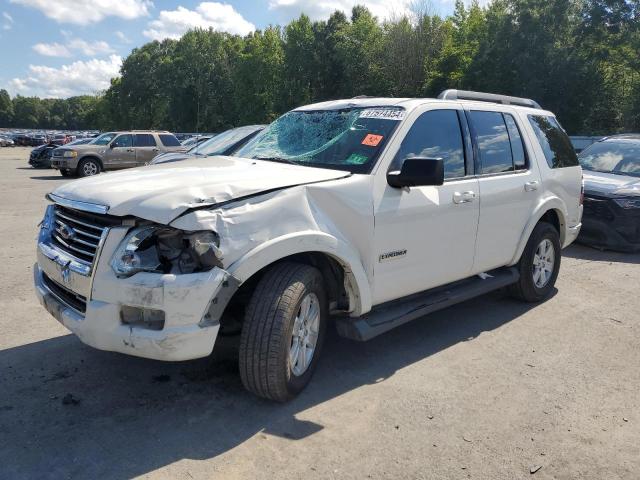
91 156
551 211
334 258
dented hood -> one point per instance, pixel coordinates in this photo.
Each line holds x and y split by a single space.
162 192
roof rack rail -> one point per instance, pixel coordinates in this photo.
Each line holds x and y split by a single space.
488 97
361 96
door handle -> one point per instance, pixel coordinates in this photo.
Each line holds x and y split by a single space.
531 186
130 150
463 197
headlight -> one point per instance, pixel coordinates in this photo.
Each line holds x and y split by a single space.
70 154
166 250
628 202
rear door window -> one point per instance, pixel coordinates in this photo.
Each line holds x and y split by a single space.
436 134
144 140
493 142
557 148
169 140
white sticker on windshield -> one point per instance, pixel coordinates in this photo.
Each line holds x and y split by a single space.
383 113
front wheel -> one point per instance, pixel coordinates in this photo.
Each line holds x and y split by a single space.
88 167
283 331
539 265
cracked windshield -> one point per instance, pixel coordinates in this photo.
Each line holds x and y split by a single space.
345 139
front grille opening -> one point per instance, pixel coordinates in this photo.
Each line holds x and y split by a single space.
66 296
598 209
78 233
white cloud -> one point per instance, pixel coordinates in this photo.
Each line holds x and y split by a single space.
7 23
77 78
122 37
89 49
321 9
219 16
85 12
51 50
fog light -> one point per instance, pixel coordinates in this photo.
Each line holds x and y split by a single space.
142 317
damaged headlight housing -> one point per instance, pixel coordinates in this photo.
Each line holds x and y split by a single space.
160 249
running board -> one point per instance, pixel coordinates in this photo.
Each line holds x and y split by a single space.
398 312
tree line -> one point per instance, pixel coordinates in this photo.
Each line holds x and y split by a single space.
578 58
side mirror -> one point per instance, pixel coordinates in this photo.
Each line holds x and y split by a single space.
112 145
417 172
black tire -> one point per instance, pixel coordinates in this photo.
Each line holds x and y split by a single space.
267 332
88 167
67 173
526 289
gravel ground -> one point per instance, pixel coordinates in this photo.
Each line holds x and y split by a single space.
489 389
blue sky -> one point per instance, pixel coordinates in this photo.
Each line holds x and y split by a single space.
60 48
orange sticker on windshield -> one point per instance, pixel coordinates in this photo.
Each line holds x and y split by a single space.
372 140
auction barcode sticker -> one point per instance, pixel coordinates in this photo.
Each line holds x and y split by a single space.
383 113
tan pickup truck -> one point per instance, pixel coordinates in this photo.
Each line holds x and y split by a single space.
113 151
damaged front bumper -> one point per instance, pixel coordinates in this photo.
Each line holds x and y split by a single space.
109 313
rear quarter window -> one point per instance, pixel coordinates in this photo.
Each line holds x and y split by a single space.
556 145
144 140
169 140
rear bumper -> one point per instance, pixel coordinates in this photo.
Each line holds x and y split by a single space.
571 234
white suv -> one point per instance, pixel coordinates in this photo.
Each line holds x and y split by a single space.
367 212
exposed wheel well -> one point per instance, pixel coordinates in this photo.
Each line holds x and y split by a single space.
332 272
552 217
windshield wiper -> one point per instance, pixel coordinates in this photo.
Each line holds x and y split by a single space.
277 159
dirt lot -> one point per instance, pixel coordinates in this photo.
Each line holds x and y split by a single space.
489 389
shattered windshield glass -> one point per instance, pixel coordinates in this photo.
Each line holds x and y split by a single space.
346 139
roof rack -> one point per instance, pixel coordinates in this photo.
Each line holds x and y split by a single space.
488 97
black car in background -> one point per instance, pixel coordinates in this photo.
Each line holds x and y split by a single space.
611 217
40 157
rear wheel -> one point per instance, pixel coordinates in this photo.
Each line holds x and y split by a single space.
539 264
283 331
88 167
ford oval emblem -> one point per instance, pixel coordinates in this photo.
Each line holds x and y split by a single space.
67 232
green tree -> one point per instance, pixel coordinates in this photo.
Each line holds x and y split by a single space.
6 109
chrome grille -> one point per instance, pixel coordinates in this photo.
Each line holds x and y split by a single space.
78 233
66 296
